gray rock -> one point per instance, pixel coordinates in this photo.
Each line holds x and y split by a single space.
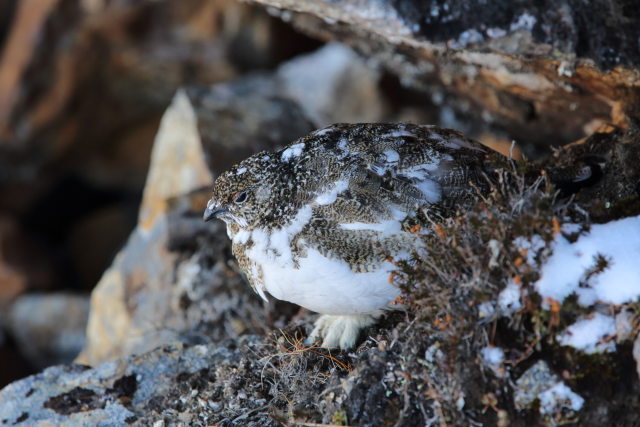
173 279
549 71
49 328
333 85
197 385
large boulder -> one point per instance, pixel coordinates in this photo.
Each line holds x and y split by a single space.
549 73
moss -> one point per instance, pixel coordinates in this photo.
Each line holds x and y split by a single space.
339 418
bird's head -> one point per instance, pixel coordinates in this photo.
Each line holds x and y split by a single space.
241 193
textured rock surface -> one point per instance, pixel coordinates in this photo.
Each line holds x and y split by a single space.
547 72
142 389
49 327
172 275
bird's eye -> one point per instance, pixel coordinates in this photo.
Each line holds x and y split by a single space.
239 197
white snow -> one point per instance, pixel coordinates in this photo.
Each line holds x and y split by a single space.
460 402
486 309
467 37
570 228
619 242
492 356
293 151
588 334
558 396
509 299
532 246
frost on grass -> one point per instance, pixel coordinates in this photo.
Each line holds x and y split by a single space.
509 298
557 397
539 385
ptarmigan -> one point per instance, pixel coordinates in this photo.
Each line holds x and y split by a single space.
321 222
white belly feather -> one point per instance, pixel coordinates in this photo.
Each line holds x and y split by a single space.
314 281
329 286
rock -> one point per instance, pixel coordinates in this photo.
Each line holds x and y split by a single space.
174 278
548 73
172 384
87 101
614 156
49 328
177 161
24 264
334 72
245 116
176 336
106 228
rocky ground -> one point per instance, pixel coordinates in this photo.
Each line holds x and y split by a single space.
175 336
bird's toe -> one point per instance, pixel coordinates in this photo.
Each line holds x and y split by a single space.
340 331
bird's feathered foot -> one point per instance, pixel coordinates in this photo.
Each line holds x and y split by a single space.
340 330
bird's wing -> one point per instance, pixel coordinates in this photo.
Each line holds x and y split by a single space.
388 178
407 168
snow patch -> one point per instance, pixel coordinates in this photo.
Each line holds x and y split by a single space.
619 242
557 397
493 356
467 37
532 246
495 32
485 310
509 299
588 334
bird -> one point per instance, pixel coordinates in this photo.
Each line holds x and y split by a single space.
324 221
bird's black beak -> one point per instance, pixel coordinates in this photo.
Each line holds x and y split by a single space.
210 213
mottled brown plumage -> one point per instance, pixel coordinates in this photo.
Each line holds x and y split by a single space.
317 222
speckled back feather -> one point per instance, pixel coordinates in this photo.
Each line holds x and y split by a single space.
352 176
